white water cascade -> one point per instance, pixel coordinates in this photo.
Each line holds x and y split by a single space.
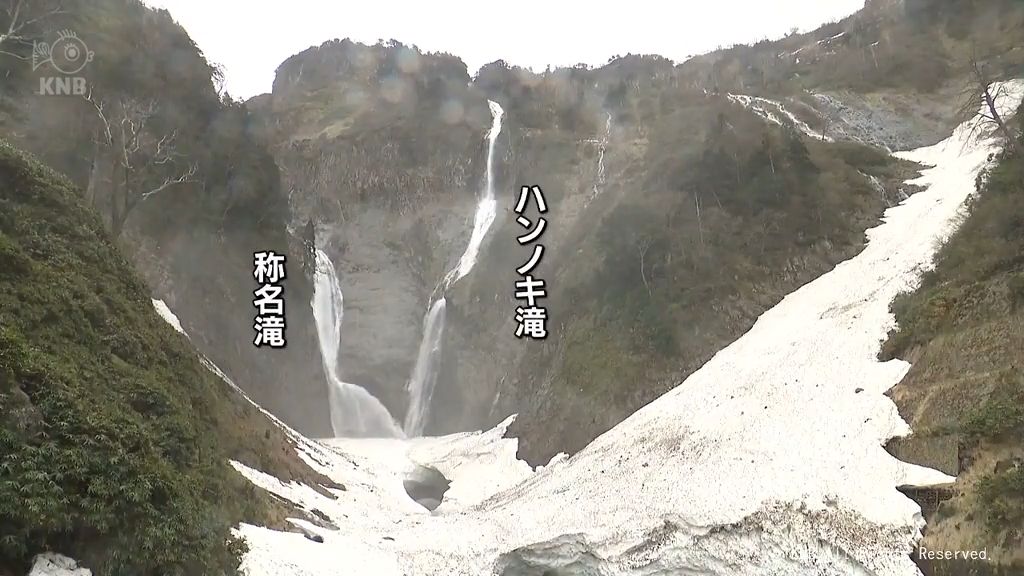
354 411
424 374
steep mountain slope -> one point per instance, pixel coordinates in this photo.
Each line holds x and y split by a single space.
114 438
963 396
392 181
769 459
683 205
686 201
707 216
193 241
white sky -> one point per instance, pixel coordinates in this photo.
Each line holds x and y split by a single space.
250 38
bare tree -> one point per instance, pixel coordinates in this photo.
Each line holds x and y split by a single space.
829 119
20 19
980 99
642 247
137 159
700 225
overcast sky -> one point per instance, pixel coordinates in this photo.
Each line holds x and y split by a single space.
250 38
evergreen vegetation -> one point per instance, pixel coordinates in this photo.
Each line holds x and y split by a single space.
114 439
192 241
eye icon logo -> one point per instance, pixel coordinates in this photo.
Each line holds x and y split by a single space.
68 54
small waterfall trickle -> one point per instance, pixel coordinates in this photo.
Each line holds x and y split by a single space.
424 375
354 411
602 145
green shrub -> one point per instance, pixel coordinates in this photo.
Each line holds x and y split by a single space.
1002 413
1002 501
115 440
1015 288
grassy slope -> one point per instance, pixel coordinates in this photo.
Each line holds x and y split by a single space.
114 438
962 329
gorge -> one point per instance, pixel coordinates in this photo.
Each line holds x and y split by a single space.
784 294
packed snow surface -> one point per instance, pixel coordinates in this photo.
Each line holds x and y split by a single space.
167 315
767 460
56 565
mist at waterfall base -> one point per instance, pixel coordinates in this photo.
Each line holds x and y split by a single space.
354 411
424 375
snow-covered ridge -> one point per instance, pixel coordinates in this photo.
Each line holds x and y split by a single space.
767 460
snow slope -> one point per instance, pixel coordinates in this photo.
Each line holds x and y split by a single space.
167 315
767 460
57 565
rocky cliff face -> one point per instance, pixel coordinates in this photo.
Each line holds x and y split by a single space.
676 217
382 149
685 200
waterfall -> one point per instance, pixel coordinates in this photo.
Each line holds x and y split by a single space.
602 145
424 375
354 411
485 210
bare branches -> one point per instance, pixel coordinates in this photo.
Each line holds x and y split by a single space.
642 248
186 176
141 156
979 99
22 16
105 123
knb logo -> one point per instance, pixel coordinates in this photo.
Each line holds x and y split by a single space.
68 55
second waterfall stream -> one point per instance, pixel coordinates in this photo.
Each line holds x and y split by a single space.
424 376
